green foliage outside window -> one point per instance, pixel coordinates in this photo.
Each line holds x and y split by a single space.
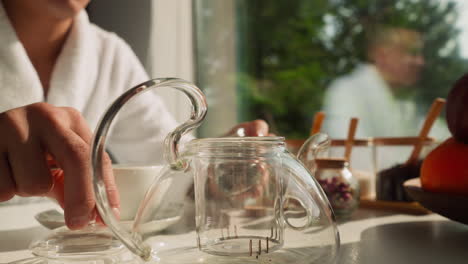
290 50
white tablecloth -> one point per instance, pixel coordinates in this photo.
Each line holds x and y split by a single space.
371 237
18 228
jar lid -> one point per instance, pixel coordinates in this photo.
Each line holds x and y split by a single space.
331 163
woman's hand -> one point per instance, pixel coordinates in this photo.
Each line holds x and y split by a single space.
28 135
256 128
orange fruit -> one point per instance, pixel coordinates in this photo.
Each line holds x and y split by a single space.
445 169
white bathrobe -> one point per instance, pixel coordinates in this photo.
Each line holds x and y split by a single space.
364 94
93 69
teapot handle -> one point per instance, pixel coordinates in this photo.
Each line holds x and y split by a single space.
198 113
302 187
316 145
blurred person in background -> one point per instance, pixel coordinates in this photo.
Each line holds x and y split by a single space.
59 73
370 91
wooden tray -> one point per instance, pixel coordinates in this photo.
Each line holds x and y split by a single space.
413 208
452 206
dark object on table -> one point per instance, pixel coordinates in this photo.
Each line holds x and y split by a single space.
457 109
390 182
452 206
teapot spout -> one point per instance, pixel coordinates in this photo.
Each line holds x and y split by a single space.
315 146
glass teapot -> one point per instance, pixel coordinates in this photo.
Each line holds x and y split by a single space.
254 201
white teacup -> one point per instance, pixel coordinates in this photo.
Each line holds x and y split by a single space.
132 182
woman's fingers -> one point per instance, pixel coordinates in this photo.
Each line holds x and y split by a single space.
80 127
256 128
71 148
111 186
72 154
58 190
27 136
22 155
7 185
30 171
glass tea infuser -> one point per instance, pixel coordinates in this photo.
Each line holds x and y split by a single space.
254 201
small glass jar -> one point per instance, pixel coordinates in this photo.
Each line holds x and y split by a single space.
339 184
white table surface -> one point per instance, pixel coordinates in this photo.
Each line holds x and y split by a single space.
18 228
370 237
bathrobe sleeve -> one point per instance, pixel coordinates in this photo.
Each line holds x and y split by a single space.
139 130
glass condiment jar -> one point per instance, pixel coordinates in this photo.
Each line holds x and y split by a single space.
339 184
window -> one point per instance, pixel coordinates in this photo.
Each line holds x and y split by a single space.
280 61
